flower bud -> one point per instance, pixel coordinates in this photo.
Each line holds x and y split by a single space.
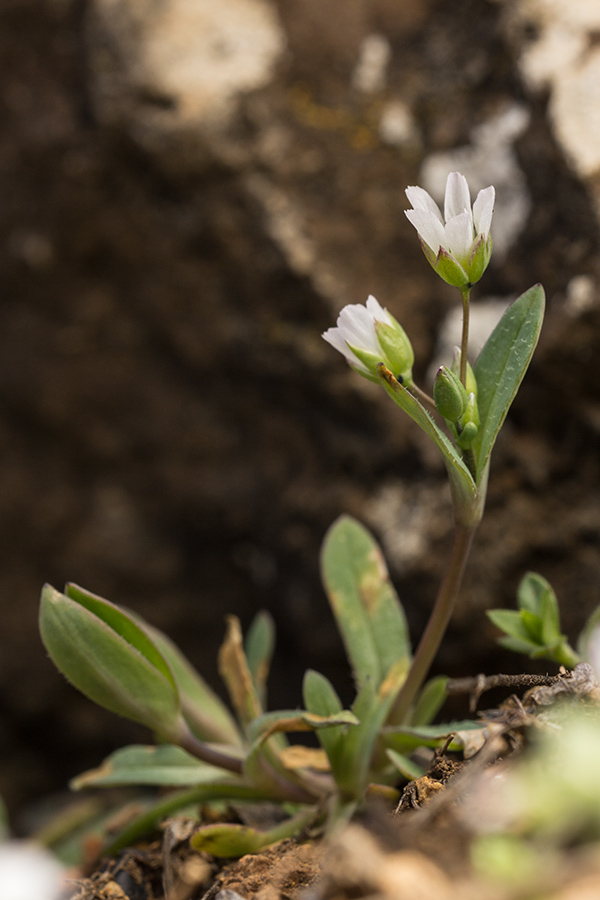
398 350
449 395
368 335
468 426
471 381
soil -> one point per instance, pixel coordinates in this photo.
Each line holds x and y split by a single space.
174 434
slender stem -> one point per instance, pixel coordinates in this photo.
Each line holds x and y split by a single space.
438 621
208 753
425 399
464 343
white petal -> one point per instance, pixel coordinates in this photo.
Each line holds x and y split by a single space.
482 211
457 199
430 229
334 337
377 311
420 199
459 237
357 327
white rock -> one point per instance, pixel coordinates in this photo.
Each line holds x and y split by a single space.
198 53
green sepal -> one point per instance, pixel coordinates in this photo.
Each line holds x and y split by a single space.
398 352
479 259
446 266
370 360
109 658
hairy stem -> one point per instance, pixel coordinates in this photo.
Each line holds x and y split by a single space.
425 399
438 622
464 343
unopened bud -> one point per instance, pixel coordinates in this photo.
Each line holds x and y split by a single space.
449 395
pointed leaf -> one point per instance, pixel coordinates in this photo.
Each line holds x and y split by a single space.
320 697
297 720
406 738
509 621
259 646
364 602
430 701
122 623
530 591
109 659
235 672
409 769
165 765
519 645
501 366
372 707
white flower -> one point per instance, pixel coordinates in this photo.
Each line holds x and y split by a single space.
458 244
28 872
368 335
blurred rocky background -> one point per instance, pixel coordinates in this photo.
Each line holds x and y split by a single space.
190 190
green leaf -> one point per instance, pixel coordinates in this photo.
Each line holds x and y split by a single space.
320 697
405 765
122 623
533 625
430 701
229 841
525 647
364 602
165 765
464 491
406 738
501 366
510 621
259 646
108 657
531 588
206 714
371 707
295 720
